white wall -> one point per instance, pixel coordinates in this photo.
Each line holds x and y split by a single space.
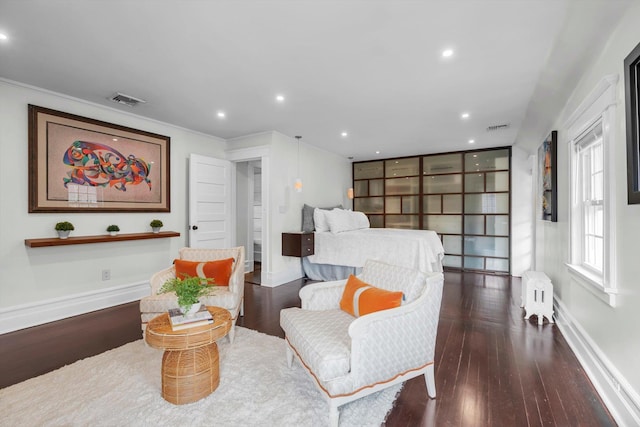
325 177
521 208
29 275
610 334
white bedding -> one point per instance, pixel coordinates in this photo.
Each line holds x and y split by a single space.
419 249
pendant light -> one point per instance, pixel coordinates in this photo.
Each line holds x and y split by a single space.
297 184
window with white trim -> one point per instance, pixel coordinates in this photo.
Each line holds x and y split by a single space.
591 140
590 199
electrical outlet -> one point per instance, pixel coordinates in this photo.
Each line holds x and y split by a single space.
106 274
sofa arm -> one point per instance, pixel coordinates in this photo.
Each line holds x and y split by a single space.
236 281
403 338
158 279
322 296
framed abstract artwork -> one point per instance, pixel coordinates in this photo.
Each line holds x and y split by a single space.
77 164
547 158
632 95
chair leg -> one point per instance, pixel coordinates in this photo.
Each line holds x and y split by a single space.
232 333
334 415
289 357
430 380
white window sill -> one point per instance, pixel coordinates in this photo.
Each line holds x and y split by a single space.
593 283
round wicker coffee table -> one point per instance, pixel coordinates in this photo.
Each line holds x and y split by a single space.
190 365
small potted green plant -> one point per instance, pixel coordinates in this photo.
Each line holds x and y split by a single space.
189 290
156 224
113 229
64 228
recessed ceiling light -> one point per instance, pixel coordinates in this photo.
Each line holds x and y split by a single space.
471 141
344 134
114 139
221 114
464 115
377 152
280 98
3 36
447 53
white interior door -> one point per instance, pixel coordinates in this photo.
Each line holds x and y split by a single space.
210 221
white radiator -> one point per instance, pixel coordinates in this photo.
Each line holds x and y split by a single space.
537 296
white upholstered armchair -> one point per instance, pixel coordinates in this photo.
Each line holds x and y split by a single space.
230 297
350 357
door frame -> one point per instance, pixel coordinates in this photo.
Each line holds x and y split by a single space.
246 155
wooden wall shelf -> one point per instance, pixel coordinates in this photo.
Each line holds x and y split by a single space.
80 240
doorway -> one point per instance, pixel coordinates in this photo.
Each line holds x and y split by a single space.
251 209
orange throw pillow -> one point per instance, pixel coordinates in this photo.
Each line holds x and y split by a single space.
218 270
360 298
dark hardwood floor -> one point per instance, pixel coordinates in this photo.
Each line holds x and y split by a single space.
492 367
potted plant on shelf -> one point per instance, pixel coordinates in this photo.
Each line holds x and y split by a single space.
113 229
156 224
189 290
64 228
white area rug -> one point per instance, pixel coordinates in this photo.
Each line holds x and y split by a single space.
121 387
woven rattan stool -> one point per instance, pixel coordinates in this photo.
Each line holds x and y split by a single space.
190 365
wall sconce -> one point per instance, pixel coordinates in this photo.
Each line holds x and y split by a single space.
350 193
297 184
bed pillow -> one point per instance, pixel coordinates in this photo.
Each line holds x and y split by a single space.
320 220
340 220
308 225
360 220
218 270
360 298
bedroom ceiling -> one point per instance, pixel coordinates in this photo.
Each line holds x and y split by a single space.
373 69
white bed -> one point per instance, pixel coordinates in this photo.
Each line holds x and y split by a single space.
338 254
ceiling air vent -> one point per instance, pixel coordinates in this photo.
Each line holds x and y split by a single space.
498 127
131 101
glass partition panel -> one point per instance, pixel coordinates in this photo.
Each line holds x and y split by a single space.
376 221
410 204
445 163
376 187
452 203
474 182
486 246
474 224
452 244
442 184
361 188
498 225
409 185
432 204
443 224
402 167
489 160
368 170
402 221
452 261
486 203
497 264
474 263
497 181
369 204
392 205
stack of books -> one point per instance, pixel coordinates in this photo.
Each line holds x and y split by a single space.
180 321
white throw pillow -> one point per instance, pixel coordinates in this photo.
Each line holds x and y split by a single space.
360 220
338 220
320 220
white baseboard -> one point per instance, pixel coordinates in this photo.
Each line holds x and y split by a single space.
32 314
620 398
281 277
